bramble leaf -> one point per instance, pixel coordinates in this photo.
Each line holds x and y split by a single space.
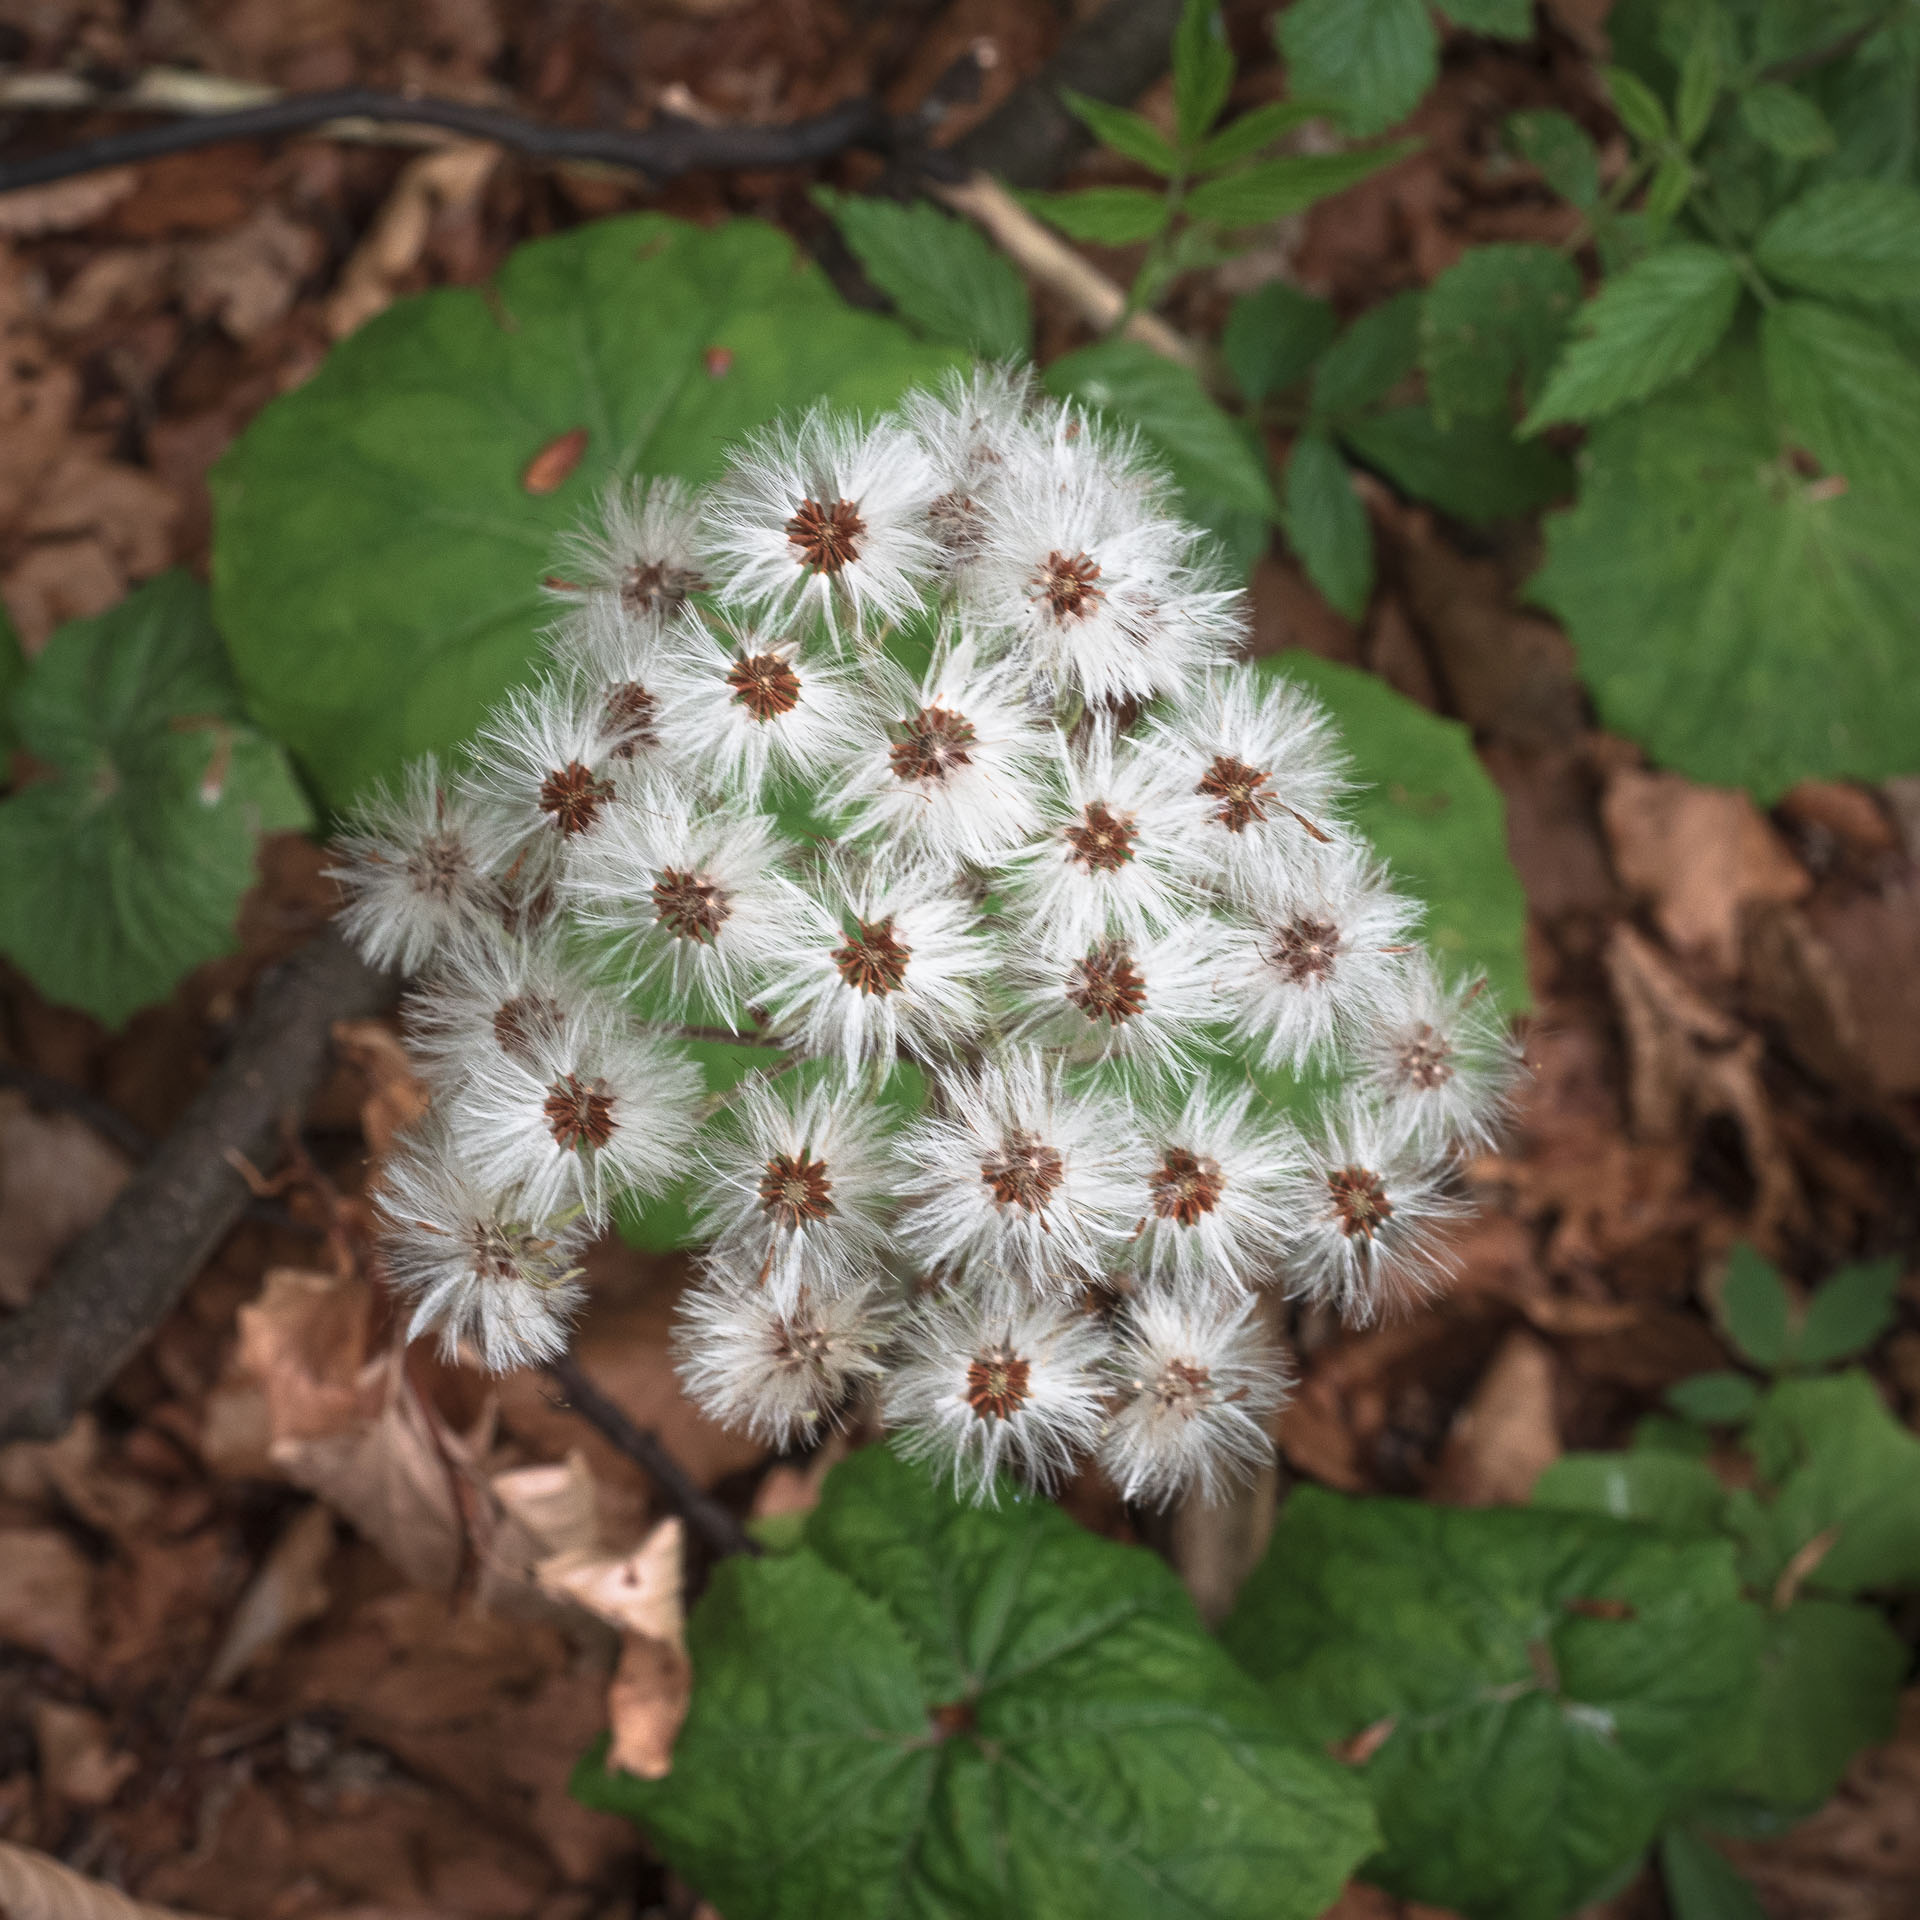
949 284
1126 132
1785 121
1644 329
1559 147
1273 336
1202 69
1857 239
1430 810
1491 325
377 559
1843 389
1537 1691
1714 1399
1764 632
1501 19
1370 359
1754 1308
1672 1491
124 867
933 1708
1108 216
1241 139
1703 1884
1475 469
1848 1314
1638 106
1326 524
1369 61
1275 188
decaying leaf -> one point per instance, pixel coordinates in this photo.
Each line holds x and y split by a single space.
78 1761
395 1094
35 1887
57 1177
289 1590
46 1594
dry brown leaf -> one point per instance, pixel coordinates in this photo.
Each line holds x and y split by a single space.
57 1177
289 1590
646 1706
1508 1434
1701 855
395 1095
556 1503
78 1762
247 278
639 1592
58 580
35 1887
46 1594
62 205
125 508
304 1340
71 1470
116 280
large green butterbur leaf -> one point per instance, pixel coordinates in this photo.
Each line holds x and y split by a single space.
1539 1690
378 559
124 865
937 1710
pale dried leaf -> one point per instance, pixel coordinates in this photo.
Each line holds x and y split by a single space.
289 1590
34 1887
304 1339
247 278
57 1177
1508 1434
70 1471
646 1704
62 205
395 1096
639 1592
78 1762
556 1503
46 1595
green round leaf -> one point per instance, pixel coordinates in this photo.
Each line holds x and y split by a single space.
377 553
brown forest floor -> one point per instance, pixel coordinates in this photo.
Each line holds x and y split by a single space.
214 1692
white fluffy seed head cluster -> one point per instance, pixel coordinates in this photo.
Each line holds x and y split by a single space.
914 753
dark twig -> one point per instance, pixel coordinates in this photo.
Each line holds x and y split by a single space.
715 1523
668 148
113 1286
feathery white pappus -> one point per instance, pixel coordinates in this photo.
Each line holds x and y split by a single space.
584 1113
1368 1228
957 770
777 1371
1214 1195
1443 1055
634 557
691 897
414 871
489 994
616 668
1123 855
1325 957
1015 1178
885 958
992 1383
755 706
475 1265
975 428
823 509
1197 1379
798 1187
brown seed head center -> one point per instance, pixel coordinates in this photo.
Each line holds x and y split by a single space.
438 866
1360 1202
1185 1187
691 906
630 710
765 685
997 1384
579 1113
573 796
1425 1059
798 1347
1103 841
1024 1173
1106 985
873 959
650 585
958 524
1304 950
827 536
503 1253
1066 583
520 1024
794 1190
1184 1386
1244 792
936 744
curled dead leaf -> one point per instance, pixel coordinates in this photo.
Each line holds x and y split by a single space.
289 1590
549 468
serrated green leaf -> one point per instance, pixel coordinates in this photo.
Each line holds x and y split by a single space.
1855 239
1426 804
1106 216
1202 70
1753 1308
1501 19
1491 325
1559 147
1327 527
1241 139
377 561
1272 338
949 284
1675 1492
1701 80
1221 479
1275 188
1670 189
1714 1399
1368 60
1370 359
938 1709
125 866
13 671
1828 1685
1703 1884
1125 131
1638 106
1837 1462
1475 469
1644 329
1843 389
1764 632
1785 121
1545 1688
1848 1314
